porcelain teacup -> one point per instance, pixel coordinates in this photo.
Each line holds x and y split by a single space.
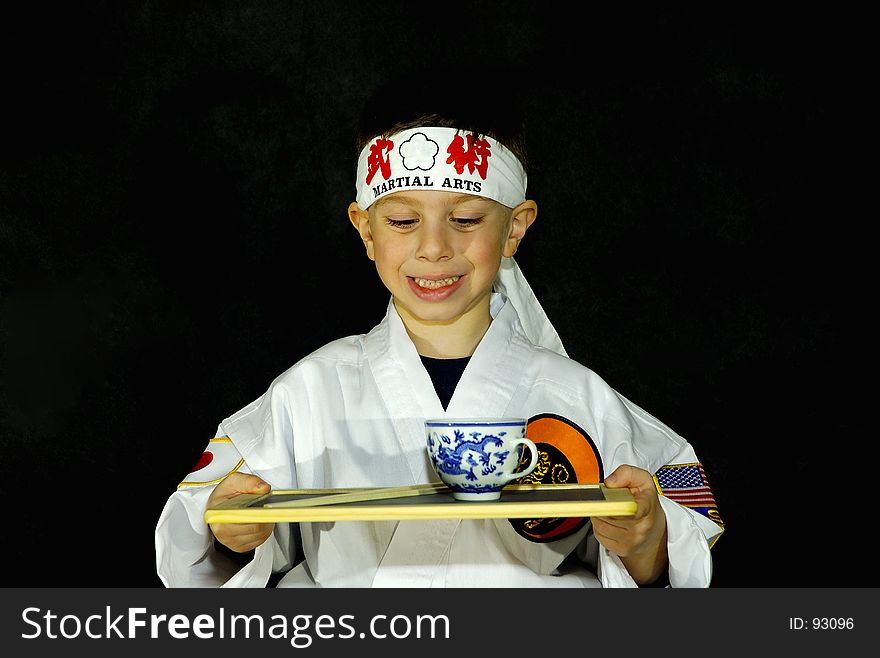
476 457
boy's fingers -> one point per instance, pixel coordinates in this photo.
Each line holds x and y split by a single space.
611 537
244 529
615 521
244 542
230 532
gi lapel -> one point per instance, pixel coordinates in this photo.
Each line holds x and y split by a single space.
406 390
492 376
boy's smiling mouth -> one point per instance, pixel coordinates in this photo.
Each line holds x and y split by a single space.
434 288
434 284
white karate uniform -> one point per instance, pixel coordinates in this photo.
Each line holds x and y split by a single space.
352 414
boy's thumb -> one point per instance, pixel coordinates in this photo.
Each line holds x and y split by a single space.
621 477
254 484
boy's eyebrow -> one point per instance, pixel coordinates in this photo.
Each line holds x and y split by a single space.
413 201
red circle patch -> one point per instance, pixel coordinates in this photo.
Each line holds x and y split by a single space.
204 460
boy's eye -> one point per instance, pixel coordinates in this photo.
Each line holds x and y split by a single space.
467 221
400 223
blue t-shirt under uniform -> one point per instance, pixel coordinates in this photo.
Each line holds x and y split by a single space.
445 374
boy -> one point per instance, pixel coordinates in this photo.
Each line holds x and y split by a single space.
441 209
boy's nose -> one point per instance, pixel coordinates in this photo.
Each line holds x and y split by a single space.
434 244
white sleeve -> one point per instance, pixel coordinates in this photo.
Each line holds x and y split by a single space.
690 535
185 554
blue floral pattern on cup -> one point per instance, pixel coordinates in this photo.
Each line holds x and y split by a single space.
476 459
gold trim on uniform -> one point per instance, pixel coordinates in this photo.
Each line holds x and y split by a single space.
218 439
199 484
657 484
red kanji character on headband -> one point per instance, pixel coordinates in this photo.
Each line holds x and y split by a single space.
378 159
475 157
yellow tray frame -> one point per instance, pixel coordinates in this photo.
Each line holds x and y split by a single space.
541 501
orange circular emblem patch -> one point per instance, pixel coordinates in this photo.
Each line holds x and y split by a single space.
566 454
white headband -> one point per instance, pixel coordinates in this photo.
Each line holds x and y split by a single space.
442 159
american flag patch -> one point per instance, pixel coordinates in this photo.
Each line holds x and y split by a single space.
687 485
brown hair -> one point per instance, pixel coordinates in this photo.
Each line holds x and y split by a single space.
425 99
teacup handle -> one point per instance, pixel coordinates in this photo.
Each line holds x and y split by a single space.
532 463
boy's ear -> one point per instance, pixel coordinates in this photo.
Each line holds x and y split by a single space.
520 219
360 219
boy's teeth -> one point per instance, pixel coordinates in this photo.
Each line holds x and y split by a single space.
429 283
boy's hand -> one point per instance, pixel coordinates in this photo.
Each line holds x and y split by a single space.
639 540
239 537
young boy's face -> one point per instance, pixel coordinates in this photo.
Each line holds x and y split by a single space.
438 252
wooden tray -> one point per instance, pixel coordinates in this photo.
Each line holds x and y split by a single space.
523 501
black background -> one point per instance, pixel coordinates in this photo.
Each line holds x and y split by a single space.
173 186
